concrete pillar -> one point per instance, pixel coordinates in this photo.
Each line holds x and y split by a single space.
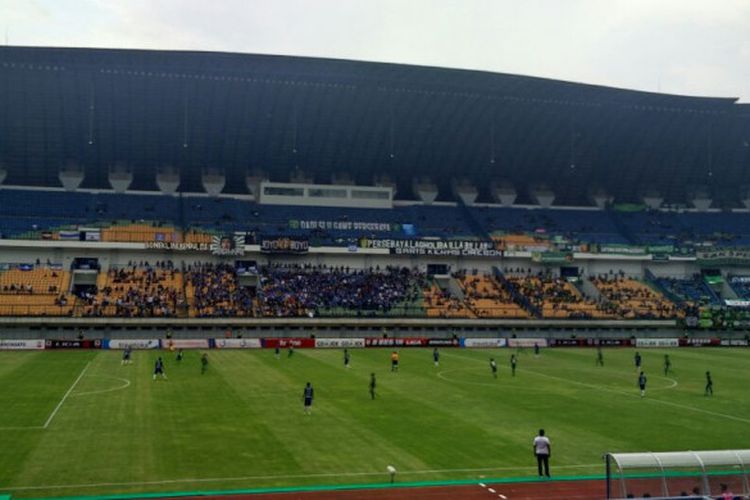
213 180
253 178
425 189
653 199
71 175
504 193
168 179
600 198
120 177
542 196
465 190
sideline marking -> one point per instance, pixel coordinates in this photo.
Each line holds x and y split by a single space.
616 391
59 405
101 391
291 476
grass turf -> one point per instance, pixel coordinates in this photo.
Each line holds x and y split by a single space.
241 425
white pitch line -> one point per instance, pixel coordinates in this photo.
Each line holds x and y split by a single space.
491 490
616 391
57 408
292 476
502 496
102 391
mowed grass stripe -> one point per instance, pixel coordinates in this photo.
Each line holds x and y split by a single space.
243 419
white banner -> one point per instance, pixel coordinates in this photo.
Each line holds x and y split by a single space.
339 343
737 303
527 342
237 343
133 343
657 343
18 345
185 344
734 342
485 343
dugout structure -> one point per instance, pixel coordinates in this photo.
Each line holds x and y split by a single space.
671 474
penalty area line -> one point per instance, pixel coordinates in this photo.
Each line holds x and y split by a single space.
65 396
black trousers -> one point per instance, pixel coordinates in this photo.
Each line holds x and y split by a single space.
542 459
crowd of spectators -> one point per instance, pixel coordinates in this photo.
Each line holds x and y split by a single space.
293 290
216 291
137 290
631 299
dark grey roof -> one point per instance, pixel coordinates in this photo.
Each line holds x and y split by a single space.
233 112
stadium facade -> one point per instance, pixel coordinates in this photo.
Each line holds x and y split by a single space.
506 201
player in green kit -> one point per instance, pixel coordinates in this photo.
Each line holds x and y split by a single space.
667 364
204 363
599 356
493 367
372 386
513 361
709 385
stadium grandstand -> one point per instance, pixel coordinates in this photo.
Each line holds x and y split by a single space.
202 200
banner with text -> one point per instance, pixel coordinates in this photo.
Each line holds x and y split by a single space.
339 343
130 343
483 343
657 343
21 345
72 344
527 342
284 245
396 342
237 343
447 248
284 343
185 344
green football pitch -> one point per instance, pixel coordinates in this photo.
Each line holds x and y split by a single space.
80 423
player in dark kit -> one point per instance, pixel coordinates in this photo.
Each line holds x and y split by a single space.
637 359
667 364
276 352
513 361
179 355
204 363
394 361
159 368
436 356
709 385
642 383
290 353
599 356
126 355
536 349
307 397
493 367
372 386
346 358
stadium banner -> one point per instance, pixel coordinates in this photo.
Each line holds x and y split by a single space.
345 225
622 249
396 342
284 245
447 248
237 343
699 342
527 342
735 342
657 343
566 342
72 344
130 343
178 246
608 342
443 342
737 303
21 345
228 245
185 344
483 343
339 343
304 343
723 257
551 257
68 235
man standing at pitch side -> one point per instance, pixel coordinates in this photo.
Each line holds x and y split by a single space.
542 450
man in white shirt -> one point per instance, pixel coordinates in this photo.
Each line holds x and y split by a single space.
542 450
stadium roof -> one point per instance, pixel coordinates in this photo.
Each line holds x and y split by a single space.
235 112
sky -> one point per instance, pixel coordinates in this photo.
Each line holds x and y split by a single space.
688 47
